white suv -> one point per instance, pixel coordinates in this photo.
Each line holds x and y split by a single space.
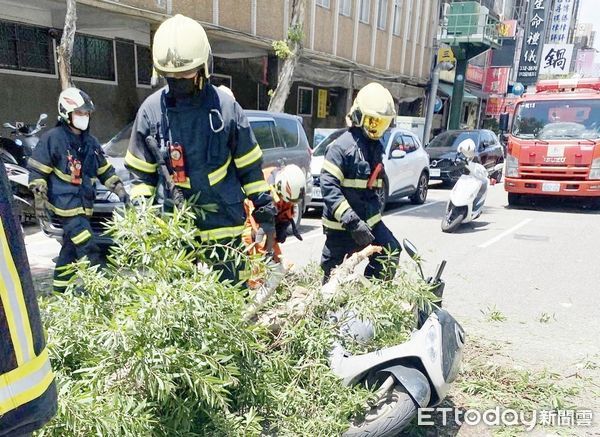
405 161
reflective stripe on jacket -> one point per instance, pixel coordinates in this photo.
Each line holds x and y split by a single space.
222 159
52 163
349 163
27 389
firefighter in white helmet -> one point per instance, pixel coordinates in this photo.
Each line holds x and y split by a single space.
63 169
351 177
205 138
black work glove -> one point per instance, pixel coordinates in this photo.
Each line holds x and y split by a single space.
40 198
265 218
360 231
281 231
119 190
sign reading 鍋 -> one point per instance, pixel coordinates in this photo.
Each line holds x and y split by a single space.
556 59
537 22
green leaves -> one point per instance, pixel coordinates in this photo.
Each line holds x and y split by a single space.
156 345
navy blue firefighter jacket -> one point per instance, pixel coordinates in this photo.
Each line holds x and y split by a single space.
222 159
52 163
349 163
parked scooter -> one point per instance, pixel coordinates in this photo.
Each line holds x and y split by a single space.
412 375
18 150
23 197
470 191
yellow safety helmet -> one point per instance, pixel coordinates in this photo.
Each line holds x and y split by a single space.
180 45
373 110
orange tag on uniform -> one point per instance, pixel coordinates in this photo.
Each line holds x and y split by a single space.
75 169
177 162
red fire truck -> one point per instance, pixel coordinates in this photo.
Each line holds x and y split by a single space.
553 147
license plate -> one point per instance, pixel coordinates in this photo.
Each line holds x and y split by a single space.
550 187
435 172
317 193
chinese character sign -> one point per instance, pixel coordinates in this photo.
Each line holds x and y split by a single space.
538 18
556 59
496 80
561 16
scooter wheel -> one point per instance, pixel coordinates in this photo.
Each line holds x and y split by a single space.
389 415
453 218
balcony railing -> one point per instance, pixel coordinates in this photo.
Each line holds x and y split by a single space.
470 27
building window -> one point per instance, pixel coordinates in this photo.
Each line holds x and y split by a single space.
93 58
305 101
323 3
262 100
365 8
345 7
333 104
143 65
397 17
383 12
26 48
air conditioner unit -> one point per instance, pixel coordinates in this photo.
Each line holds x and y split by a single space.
445 10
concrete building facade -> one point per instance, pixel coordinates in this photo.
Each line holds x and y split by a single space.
347 43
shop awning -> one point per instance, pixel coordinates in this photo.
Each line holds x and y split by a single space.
445 88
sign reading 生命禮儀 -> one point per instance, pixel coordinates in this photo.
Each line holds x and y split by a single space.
537 22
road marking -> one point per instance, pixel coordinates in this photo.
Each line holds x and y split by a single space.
504 234
414 208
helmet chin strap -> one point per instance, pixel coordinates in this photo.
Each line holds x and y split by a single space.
199 80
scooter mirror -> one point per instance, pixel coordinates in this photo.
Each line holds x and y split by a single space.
410 249
42 118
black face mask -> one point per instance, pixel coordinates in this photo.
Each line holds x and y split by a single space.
180 88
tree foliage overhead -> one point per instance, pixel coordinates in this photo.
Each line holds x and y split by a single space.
156 345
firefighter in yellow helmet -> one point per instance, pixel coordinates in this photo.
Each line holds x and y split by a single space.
205 138
350 179
27 389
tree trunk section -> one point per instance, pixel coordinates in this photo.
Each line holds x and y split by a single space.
65 49
285 79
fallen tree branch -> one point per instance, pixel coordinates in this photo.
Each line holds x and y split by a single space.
301 301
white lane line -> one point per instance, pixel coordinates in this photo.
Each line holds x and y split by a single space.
414 208
504 234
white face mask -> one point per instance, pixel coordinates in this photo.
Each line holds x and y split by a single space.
81 122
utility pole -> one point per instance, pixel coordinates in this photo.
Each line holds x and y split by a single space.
435 81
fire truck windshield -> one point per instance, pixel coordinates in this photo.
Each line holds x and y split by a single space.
557 119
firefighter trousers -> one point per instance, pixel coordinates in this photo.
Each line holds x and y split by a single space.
339 244
78 241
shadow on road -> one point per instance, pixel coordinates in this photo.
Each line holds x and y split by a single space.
561 205
472 227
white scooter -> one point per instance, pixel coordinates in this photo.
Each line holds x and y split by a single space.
468 195
412 375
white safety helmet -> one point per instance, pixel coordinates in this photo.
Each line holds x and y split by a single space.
290 183
73 99
467 148
180 46
373 110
